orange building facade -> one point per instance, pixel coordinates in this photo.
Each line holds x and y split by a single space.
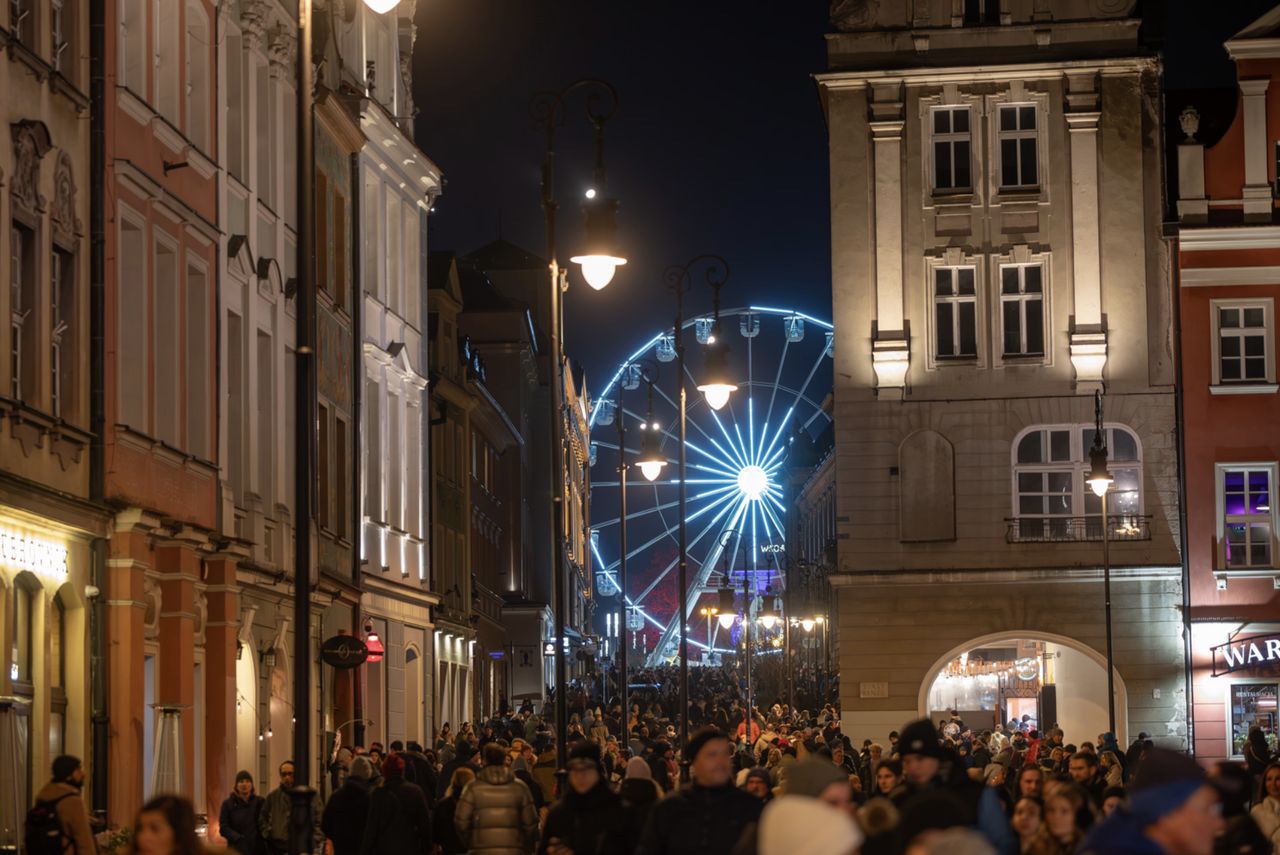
1227 253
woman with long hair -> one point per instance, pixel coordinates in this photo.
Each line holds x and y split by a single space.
1028 817
1266 813
166 825
888 776
1067 815
446 835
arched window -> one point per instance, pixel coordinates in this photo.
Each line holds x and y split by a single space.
22 663
1050 498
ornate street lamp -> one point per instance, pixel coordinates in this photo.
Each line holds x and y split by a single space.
598 261
1100 481
651 460
717 383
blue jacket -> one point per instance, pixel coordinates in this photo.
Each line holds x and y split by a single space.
1119 834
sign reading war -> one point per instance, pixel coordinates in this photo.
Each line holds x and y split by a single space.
1242 653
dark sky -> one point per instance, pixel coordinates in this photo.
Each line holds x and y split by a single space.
719 144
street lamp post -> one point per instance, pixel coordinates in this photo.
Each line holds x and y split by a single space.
716 387
598 265
1100 481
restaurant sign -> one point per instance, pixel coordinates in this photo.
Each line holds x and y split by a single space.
1242 653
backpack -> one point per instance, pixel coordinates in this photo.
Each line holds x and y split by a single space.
43 830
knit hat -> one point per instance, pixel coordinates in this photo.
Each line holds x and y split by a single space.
699 741
920 737
811 777
1165 780
638 768
361 768
760 774
795 825
243 775
585 753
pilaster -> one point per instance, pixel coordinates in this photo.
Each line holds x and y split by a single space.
1088 336
1257 189
890 353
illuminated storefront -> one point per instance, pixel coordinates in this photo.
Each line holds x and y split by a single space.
1237 685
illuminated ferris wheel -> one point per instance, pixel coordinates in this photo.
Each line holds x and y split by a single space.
735 508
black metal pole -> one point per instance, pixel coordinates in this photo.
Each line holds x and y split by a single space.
301 839
1106 593
682 582
746 653
622 573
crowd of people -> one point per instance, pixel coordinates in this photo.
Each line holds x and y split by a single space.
775 782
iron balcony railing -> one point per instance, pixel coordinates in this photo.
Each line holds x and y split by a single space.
1076 529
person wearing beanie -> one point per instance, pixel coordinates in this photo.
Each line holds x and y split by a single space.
347 811
797 825
238 817
930 770
822 780
707 817
590 819
419 770
756 782
1171 810
399 820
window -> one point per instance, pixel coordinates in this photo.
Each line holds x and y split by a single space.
373 448
955 313
237 105
131 335
395 301
197 76
1243 342
22 21
371 248
57 668
237 426
395 471
23 357
1022 309
951 158
265 442
197 385
339 249
133 46
164 60
1018 146
1246 527
1251 704
981 12
1052 501
22 661
265 150
60 31
342 508
323 512
62 334
167 319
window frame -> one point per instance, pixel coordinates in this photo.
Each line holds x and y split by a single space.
1220 470
1023 297
1218 386
1019 133
951 139
954 299
1228 698
1077 466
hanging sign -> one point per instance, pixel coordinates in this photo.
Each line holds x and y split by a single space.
344 651
1242 653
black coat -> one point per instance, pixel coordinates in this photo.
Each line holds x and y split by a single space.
590 823
446 834
699 821
345 815
446 775
418 770
238 823
399 821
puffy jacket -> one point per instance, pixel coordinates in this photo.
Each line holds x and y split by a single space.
496 814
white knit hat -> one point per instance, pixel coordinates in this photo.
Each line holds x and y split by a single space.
800 825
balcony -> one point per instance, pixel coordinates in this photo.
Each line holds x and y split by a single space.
1076 529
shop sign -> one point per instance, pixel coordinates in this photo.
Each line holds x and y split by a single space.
1246 653
344 651
20 551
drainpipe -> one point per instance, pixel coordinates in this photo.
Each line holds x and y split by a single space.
356 295
97 397
1180 431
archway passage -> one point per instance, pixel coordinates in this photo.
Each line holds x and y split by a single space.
1030 680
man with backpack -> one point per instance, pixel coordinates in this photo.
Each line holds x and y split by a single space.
58 823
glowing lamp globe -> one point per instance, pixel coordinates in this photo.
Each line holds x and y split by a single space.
717 386
717 395
651 460
381 6
598 270
1099 479
808 624
599 259
651 469
726 619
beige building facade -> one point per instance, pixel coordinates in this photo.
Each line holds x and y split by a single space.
996 260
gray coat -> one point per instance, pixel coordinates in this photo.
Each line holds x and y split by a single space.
496 814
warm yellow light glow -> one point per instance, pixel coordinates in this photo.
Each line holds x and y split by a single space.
381 7
717 394
651 469
598 270
767 620
808 624
726 619
1099 485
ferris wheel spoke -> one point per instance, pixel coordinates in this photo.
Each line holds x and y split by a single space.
639 514
736 454
770 515
676 560
777 378
695 426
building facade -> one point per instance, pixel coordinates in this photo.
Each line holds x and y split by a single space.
1227 249
52 533
996 210
170 606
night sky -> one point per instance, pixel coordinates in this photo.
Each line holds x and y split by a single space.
719 145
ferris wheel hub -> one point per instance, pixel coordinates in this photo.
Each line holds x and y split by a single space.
753 481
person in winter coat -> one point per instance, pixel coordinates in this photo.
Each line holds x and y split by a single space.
1172 810
273 819
590 819
63 792
399 820
708 817
496 814
466 756
639 793
544 769
520 768
344 817
1257 755
238 818
419 770
1266 813
446 834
